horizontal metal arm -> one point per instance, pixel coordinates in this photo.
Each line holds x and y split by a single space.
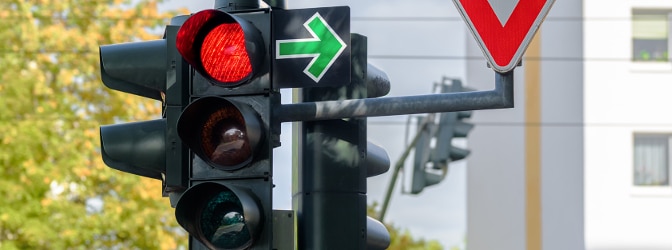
498 98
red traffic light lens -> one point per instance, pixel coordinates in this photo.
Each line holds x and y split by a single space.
222 132
222 47
223 54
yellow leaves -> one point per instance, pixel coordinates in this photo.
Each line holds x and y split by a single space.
4 217
152 107
91 133
88 146
30 166
82 172
151 12
7 140
149 188
183 11
68 233
130 100
46 202
24 179
167 242
41 89
53 105
5 13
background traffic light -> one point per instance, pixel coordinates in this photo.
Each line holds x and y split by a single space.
431 160
227 128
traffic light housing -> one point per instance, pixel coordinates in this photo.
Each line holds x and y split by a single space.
138 148
138 68
227 128
429 160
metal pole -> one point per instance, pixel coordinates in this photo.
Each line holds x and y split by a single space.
330 177
500 97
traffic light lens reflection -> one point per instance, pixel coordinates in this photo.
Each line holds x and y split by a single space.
223 224
223 54
225 140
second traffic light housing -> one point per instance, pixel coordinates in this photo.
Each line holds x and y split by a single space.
429 159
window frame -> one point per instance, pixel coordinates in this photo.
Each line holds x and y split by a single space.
638 13
651 190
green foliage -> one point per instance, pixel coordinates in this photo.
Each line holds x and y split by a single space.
56 192
403 240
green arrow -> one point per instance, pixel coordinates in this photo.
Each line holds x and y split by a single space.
324 47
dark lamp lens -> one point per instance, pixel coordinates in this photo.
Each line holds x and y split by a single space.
226 134
225 140
223 224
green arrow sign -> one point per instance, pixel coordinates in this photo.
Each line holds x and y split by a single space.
324 47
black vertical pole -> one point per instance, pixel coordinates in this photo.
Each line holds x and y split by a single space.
330 193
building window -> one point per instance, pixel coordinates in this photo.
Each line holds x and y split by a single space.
650 35
651 160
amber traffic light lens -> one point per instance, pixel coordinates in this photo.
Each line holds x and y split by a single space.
224 137
224 133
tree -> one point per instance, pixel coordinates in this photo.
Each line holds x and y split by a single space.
403 240
55 191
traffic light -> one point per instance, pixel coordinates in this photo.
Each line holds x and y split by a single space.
228 130
138 68
429 160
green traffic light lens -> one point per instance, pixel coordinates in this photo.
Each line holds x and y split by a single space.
223 224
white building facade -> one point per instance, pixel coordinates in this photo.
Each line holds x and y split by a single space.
583 160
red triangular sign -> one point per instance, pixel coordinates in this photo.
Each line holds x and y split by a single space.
503 42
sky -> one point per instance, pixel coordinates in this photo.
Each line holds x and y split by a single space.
404 40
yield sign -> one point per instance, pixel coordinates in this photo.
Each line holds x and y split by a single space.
503 28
